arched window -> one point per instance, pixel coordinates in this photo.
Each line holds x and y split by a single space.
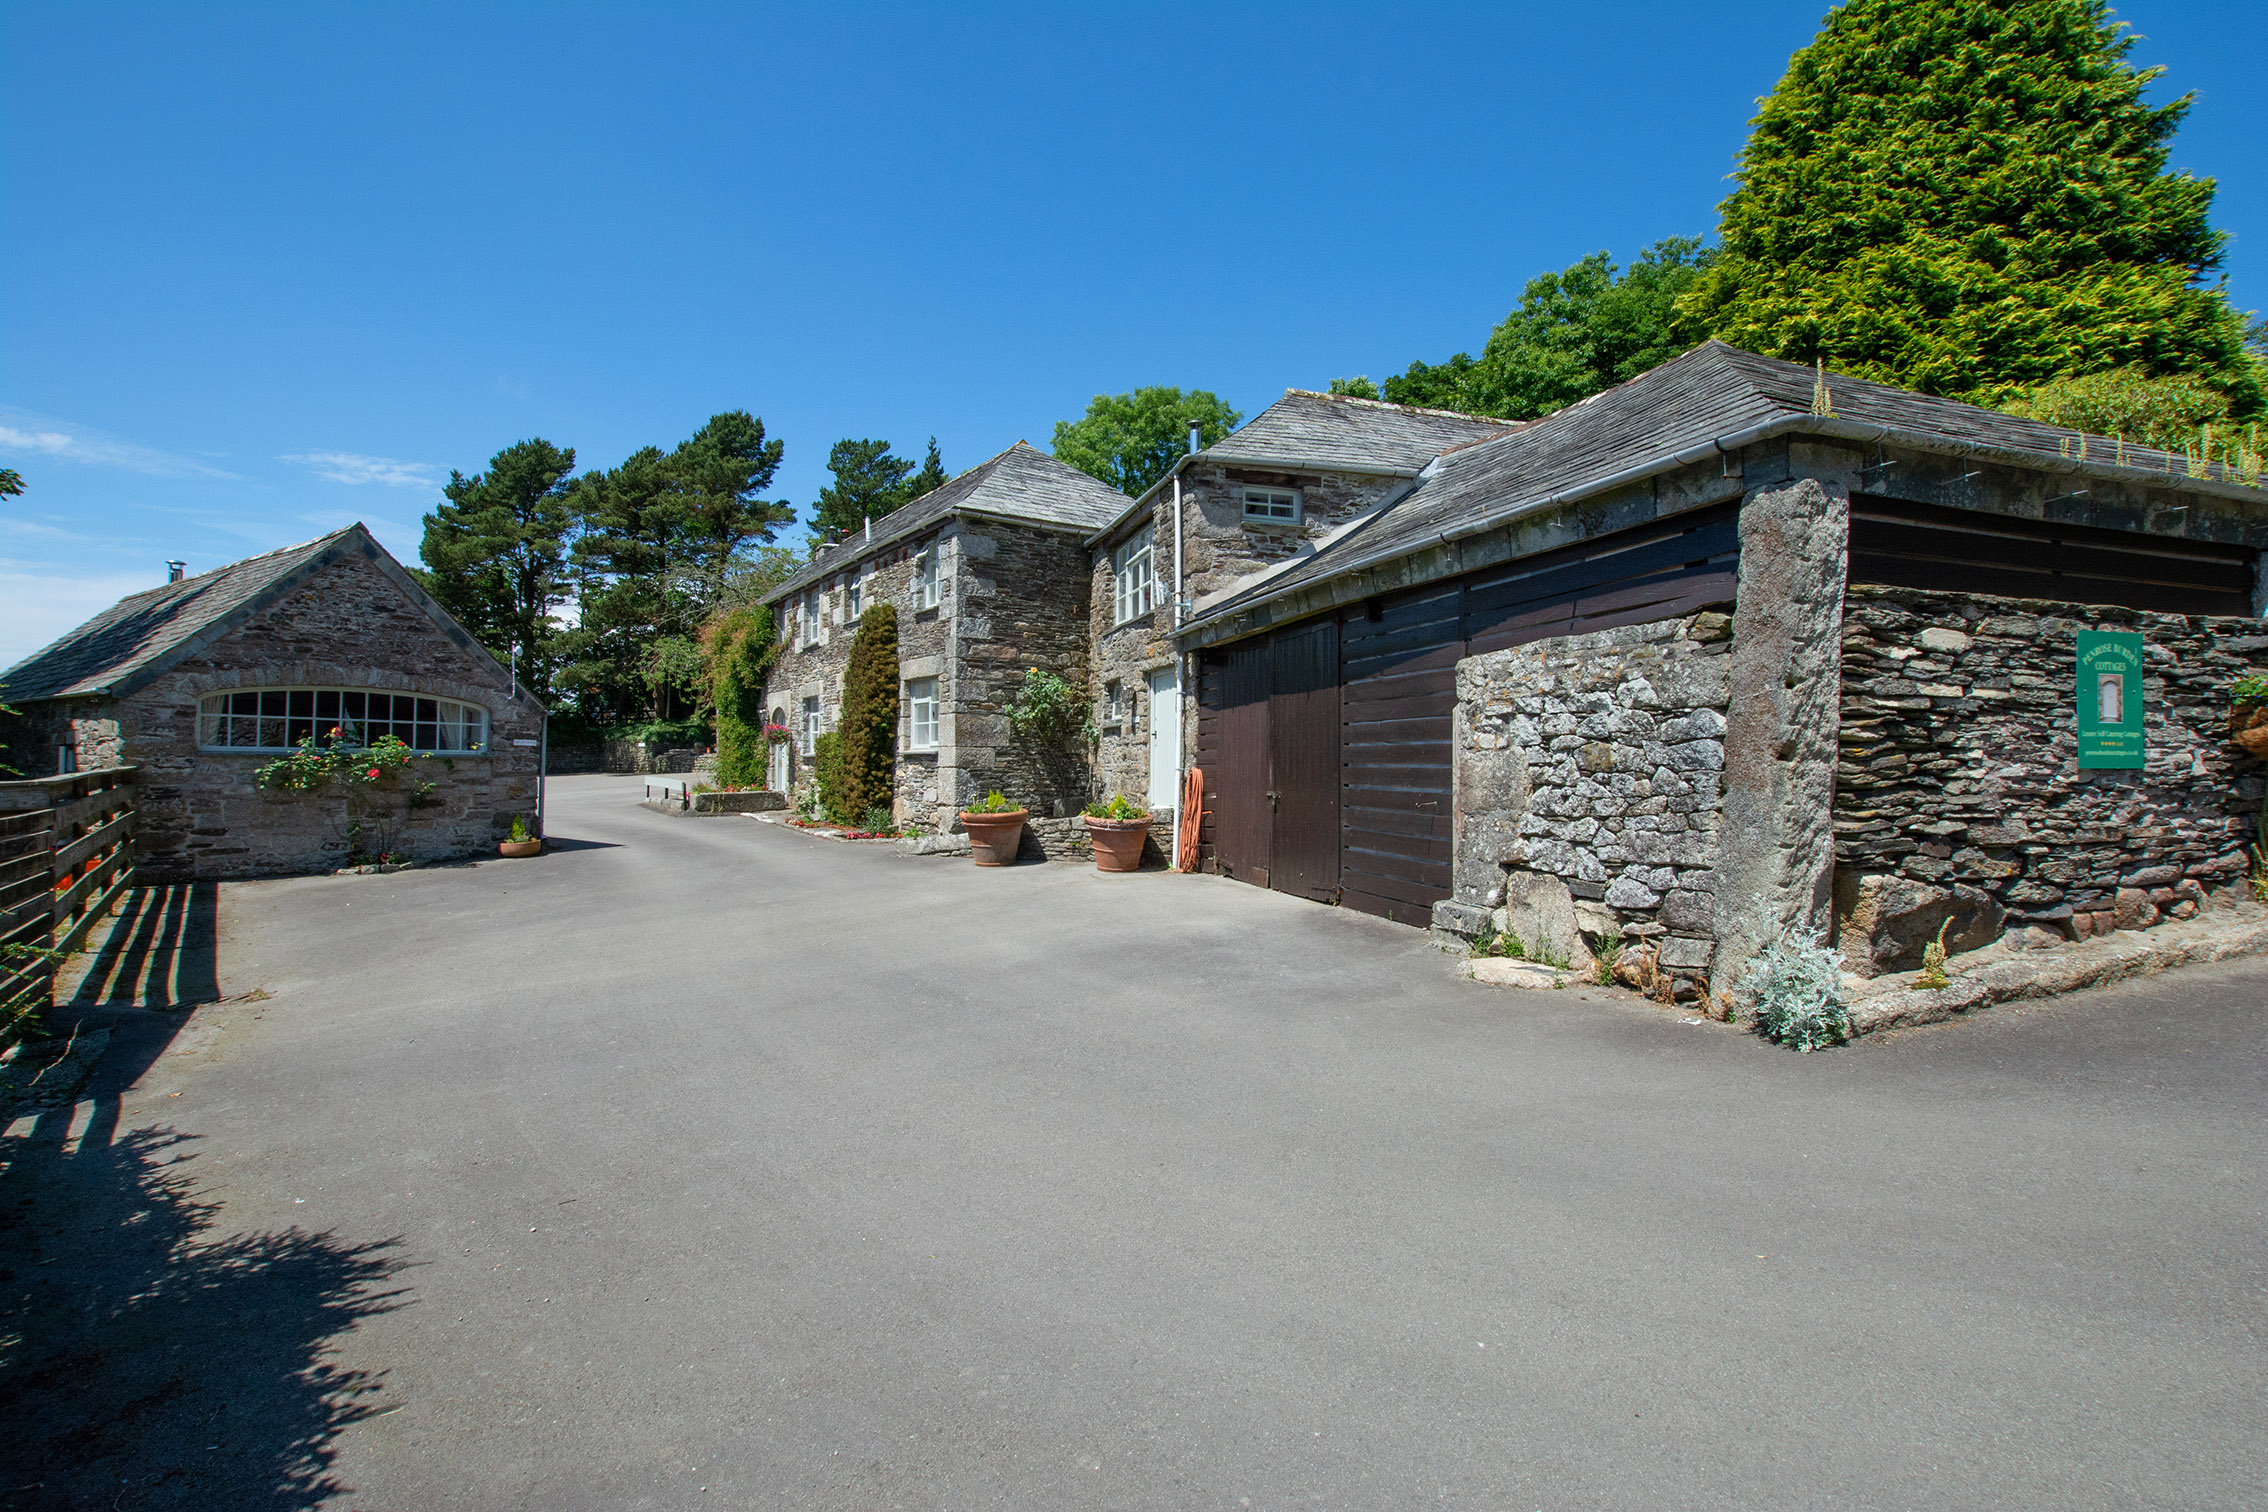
277 719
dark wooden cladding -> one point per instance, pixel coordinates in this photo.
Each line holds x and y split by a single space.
1396 696
1895 544
1241 824
1303 736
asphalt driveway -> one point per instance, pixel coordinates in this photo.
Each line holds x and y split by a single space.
703 1164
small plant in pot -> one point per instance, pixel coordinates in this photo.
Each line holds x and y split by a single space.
2248 713
996 829
521 842
1118 829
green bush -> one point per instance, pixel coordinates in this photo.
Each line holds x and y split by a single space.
1797 984
827 778
1045 707
738 646
869 721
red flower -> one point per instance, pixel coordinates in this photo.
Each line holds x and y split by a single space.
373 771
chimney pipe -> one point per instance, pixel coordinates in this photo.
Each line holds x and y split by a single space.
1194 437
173 571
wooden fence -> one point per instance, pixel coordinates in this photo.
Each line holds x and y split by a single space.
66 854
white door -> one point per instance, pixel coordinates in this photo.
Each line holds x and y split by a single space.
1165 738
776 779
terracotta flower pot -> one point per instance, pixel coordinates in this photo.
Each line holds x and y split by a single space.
518 848
1118 843
994 838
2248 727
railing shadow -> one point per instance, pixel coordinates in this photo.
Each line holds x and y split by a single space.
161 952
148 1359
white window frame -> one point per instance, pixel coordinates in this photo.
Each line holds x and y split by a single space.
247 720
1134 576
809 619
854 598
1114 705
925 575
921 713
807 739
1277 506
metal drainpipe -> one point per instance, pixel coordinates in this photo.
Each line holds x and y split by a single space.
1180 774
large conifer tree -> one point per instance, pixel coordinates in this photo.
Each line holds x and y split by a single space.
1969 197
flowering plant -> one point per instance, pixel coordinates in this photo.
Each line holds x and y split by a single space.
775 733
312 766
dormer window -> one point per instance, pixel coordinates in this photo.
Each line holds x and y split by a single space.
1271 506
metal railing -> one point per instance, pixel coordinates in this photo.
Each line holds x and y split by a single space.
66 855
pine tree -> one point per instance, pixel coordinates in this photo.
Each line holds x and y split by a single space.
495 555
1970 197
931 476
869 482
869 722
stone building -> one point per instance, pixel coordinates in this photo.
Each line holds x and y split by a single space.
988 574
1736 649
1305 471
203 680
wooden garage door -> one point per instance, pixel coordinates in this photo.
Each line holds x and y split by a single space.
1396 698
1303 759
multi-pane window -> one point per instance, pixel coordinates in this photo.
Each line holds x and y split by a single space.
277 719
1114 705
811 619
921 714
1274 506
811 730
1133 578
854 602
925 579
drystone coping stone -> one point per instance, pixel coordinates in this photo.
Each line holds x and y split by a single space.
1540 911
1503 971
753 802
934 845
2007 971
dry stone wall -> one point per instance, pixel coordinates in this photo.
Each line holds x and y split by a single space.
1959 795
1595 762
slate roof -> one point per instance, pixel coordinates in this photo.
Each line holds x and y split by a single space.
143 627
144 633
1335 430
1665 417
1022 483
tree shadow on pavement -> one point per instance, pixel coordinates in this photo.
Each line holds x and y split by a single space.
146 1361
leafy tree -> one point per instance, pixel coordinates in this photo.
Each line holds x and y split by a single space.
1132 440
495 555
2169 413
11 483
1356 388
1576 332
1967 197
665 538
869 723
738 646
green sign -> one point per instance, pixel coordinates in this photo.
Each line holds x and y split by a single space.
2110 698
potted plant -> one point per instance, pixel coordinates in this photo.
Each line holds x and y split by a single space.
1118 829
523 841
996 829
2248 713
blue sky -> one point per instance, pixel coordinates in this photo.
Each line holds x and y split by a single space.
266 270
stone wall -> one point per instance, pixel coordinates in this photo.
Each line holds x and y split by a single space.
1010 597
1590 764
1960 797
202 816
1220 549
